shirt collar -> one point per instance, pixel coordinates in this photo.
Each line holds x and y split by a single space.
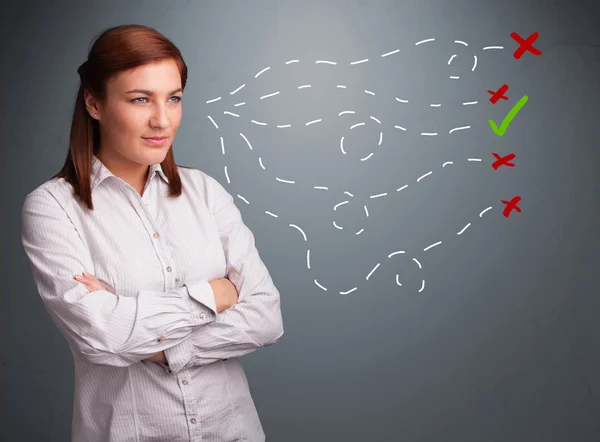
100 172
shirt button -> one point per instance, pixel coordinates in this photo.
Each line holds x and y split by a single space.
184 382
168 268
193 420
161 338
155 235
202 315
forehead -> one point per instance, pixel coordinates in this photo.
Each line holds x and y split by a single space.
161 76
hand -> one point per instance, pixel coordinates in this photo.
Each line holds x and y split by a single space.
225 293
90 282
158 357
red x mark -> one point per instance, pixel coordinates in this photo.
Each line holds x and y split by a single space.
525 45
503 161
511 205
498 94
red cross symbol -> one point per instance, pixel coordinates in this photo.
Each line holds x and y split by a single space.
511 205
498 94
525 45
503 161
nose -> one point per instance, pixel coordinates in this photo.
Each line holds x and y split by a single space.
160 117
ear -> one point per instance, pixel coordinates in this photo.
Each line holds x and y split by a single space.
91 104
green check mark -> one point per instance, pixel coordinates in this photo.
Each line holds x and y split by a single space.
513 112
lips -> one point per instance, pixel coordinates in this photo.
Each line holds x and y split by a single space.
156 141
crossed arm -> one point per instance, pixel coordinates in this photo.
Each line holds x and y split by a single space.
254 321
225 295
111 329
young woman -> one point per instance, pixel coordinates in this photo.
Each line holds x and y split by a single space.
146 267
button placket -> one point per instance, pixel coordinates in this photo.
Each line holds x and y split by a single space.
169 269
164 256
188 395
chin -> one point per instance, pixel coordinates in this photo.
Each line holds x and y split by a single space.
155 155
159 156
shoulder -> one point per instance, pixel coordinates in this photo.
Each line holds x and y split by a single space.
205 186
44 206
54 190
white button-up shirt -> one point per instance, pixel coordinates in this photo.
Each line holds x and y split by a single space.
156 255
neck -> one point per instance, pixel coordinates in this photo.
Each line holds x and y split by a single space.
132 173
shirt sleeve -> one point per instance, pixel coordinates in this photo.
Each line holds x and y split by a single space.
256 320
105 328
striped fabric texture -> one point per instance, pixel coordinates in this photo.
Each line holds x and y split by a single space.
155 255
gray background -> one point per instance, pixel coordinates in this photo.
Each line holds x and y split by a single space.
502 343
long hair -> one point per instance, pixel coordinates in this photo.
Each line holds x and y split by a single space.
117 49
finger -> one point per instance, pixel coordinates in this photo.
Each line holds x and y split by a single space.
82 281
87 280
86 276
90 282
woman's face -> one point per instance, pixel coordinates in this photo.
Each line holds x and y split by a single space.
144 102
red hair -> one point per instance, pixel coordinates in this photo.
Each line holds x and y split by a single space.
116 50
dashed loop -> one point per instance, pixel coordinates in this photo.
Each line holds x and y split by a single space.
343 147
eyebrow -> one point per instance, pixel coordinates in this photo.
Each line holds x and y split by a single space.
150 93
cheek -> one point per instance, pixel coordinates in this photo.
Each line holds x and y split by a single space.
123 123
135 124
131 124
176 117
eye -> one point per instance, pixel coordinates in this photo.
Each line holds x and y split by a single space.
144 98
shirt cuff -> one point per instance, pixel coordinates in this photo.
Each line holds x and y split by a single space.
179 355
202 293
